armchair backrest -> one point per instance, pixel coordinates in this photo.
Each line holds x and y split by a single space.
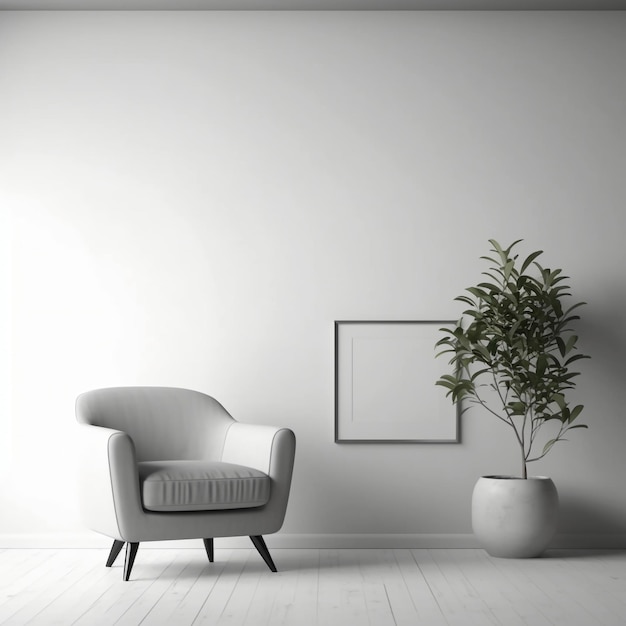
163 422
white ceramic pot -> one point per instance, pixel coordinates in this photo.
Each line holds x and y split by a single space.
514 517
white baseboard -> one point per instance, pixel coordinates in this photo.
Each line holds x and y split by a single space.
329 541
589 541
277 541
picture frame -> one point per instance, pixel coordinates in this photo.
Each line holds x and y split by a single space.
385 391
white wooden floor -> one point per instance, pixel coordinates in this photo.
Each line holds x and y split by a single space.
312 587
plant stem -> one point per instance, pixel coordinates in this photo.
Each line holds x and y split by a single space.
488 408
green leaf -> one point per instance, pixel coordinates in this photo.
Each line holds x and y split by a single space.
529 259
508 268
575 412
497 278
542 364
479 293
482 353
548 445
446 384
466 300
491 287
576 357
575 306
450 351
448 378
559 399
488 258
518 408
479 373
449 331
571 342
508 250
497 248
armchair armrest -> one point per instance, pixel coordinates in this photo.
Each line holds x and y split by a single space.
270 450
257 446
108 479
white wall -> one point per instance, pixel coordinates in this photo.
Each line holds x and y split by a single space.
196 197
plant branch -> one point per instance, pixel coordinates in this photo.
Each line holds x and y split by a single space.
509 419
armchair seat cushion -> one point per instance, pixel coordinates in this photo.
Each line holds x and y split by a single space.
201 486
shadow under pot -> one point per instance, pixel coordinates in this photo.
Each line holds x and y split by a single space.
514 517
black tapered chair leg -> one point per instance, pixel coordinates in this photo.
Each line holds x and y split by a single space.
259 544
208 546
131 552
115 550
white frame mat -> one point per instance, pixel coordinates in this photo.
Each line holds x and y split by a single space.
385 392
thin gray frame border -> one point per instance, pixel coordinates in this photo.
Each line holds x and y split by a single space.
379 441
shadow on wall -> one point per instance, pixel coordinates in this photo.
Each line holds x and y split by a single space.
602 333
602 330
583 515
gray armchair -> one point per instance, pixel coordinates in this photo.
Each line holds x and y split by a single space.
162 463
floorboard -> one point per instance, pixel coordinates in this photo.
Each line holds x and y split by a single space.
313 588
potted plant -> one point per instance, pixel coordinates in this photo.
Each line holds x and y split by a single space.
512 353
